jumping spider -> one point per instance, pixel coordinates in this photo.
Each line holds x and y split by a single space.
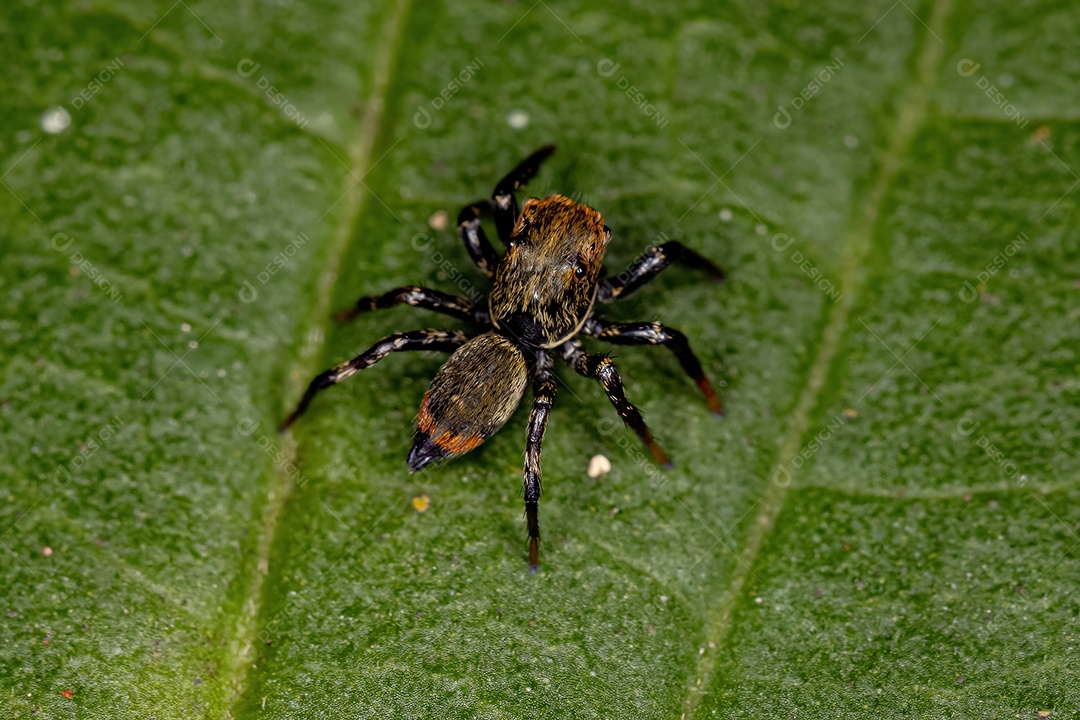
542 297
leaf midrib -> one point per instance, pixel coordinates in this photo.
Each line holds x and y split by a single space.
911 115
281 484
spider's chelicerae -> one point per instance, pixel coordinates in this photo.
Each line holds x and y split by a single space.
544 290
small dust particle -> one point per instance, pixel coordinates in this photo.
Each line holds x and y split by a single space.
726 215
421 502
67 693
517 119
599 466
55 120
46 551
185 327
1045 713
760 229
959 681
759 600
851 141
193 344
967 497
663 598
439 220
1041 133
850 413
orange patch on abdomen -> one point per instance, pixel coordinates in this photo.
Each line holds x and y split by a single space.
449 441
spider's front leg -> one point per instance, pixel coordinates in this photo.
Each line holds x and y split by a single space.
649 265
599 366
421 297
506 211
543 399
503 200
646 333
445 340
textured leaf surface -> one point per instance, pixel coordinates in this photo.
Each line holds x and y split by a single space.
884 525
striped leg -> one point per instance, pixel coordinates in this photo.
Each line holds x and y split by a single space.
644 333
543 398
421 297
600 367
444 340
649 265
503 200
475 239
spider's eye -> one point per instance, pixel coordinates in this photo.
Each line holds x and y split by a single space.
579 268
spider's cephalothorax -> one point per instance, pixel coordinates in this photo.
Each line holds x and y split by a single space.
546 283
545 287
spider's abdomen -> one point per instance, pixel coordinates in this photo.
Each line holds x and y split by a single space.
471 397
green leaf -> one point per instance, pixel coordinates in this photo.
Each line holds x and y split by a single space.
884 525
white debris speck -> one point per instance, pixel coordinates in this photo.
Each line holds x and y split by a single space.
726 215
517 119
851 141
758 600
599 466
185 327
663 598
55 120
439 220
193 344
760 229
